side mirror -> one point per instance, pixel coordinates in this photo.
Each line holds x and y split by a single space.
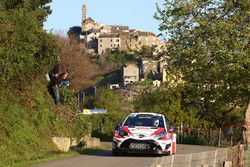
118 125
171 128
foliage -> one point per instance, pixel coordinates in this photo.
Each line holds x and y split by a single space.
115 60
74 33
28 117
194 140
68 98
211 52
25 50
146 51
107 99
163 100
26 132
82 126
104 124
73 59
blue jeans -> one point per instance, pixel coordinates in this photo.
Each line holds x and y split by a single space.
64 84
56 94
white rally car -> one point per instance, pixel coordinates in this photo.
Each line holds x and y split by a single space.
144 133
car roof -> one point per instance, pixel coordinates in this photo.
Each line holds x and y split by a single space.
149 113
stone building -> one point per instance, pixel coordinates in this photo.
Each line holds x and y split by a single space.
130 73
95 35
134 40
149 68
108 42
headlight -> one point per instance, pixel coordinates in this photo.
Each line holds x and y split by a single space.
160 135
168 135
122 133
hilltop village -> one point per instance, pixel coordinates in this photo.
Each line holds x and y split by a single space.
100 39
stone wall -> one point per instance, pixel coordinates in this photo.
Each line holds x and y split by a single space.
64 144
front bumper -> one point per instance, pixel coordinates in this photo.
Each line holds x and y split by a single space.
151 146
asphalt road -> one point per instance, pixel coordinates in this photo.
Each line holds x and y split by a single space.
105 159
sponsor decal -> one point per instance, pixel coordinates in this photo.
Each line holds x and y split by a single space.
141 135
139 146
158 131
142 128
125 128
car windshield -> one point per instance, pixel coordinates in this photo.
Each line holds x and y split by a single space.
144 120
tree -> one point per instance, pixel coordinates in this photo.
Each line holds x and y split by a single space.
107 99
26 50
146 51
211 51
82 71
163 100
74 33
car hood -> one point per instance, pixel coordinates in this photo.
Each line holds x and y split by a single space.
142 131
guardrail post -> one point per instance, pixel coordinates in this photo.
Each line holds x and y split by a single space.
205 165
190 160
215 158
172 161
241 155
227 164
219 137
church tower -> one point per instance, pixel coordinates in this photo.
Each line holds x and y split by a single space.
84 17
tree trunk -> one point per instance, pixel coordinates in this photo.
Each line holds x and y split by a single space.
247 126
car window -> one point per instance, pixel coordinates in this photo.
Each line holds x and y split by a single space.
144 120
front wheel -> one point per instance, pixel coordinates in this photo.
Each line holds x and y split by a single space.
115 152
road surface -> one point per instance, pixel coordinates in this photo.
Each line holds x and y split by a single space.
104 158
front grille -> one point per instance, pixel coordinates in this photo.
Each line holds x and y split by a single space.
151 144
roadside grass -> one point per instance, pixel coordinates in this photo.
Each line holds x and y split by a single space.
27 124
46 158
60 155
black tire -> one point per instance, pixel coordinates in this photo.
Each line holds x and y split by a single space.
115 152
159 151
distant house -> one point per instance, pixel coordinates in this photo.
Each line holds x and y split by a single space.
149 68
108 42
130 73
114 86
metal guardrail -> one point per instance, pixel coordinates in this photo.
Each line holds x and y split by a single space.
210 159
236 156
247 156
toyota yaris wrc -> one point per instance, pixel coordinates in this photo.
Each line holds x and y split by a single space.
144 133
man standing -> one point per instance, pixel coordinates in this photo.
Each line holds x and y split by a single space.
55 82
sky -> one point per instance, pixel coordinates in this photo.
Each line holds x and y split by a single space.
137 14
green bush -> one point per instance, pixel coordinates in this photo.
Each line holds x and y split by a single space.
68 98
193 140
26 132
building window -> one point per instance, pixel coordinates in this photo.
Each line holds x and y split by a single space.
111 40
100 40
117 40
111 45
100 45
